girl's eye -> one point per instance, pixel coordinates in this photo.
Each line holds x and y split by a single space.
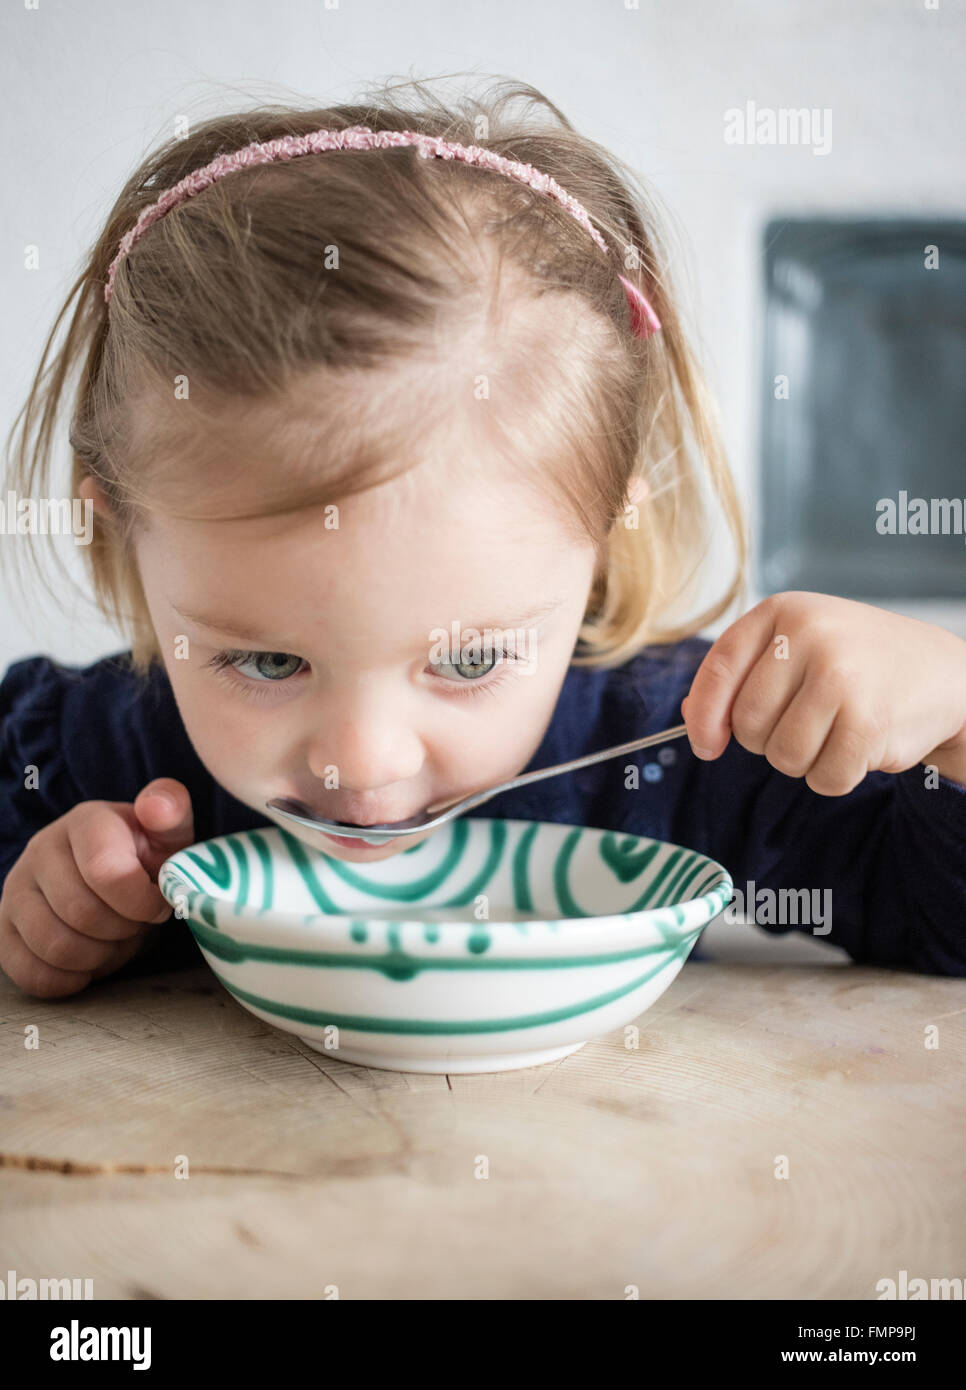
472 671
264 668
268 666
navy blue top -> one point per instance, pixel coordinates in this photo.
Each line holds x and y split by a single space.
892 851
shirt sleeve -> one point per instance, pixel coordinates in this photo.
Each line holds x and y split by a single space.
885 865
36 785
888 858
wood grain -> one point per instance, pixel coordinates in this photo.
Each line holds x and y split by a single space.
648 1169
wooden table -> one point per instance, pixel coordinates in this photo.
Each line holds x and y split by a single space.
611 1172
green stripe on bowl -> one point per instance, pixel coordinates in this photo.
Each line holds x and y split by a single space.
235 952
364 1023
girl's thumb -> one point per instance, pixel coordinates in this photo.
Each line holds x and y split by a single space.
164 814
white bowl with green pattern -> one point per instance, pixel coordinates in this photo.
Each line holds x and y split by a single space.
492 944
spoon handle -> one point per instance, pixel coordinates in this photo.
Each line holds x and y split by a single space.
585 761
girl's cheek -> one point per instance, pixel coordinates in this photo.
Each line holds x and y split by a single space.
492 750
221 727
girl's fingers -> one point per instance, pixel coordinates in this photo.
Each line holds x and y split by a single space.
104 851
797 739
766 693
29 972
52 940
75 903
123 951
852 748
721 675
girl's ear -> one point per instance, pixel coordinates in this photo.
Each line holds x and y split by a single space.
89 489
637 491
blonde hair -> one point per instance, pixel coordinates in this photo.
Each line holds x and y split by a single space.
229 291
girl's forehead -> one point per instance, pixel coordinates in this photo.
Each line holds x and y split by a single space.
239 490
416 518
291 575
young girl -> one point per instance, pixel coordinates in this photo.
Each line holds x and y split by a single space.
346 398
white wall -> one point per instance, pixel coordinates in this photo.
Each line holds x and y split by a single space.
87 88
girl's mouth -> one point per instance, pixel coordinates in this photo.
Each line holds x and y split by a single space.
348 842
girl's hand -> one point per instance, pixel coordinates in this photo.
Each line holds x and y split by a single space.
80 900
829 690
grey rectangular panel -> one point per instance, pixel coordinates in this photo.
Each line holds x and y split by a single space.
871 344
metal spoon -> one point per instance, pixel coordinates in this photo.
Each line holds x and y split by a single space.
297 811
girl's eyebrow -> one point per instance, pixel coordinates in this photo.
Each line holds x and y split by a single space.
231 628
532 616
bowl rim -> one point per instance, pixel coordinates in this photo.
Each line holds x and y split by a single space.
316 927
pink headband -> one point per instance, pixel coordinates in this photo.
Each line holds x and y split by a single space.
644 321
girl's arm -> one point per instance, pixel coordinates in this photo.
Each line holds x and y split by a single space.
36 784
71 735
78 873
837 735
883 866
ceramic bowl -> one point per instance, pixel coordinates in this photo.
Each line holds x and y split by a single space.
492 944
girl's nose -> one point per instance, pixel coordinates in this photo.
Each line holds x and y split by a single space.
369 746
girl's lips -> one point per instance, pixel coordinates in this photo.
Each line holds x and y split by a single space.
348 842
354 841
310 806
